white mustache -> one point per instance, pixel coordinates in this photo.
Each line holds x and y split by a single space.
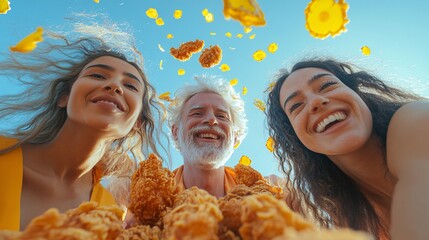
215 129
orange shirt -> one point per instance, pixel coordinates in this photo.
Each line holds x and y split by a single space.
230 179
11 170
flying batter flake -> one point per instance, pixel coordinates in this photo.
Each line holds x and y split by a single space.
224 67
244 91
270 144
181 72
29 43
272 48
4 6
259 55
326 17
366 50
152 13
159 22
160 47
178 14
233 82
247 12
166 97
245 160
259 104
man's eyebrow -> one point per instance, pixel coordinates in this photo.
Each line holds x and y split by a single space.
110 68
309 82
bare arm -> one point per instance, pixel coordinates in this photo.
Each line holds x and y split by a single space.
408 160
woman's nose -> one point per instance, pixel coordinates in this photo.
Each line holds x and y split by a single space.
115 87
317 102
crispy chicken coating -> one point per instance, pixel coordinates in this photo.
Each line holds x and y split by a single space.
248 176
140 232
153 190
265 217
195 216
88 221
211 56
185 51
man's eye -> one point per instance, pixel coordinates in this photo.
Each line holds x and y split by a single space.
294 106
327 84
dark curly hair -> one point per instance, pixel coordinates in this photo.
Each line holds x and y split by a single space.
332 197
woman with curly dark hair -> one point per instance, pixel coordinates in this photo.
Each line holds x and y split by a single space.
353 148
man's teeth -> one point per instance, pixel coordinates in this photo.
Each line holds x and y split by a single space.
112 103
208 135
338 116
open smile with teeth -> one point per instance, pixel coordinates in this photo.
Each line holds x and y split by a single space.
111 103
330 120
208 136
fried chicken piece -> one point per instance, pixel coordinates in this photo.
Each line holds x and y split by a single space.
88 221
265 217
9 235
152 192
211 56
250 177
140 232
230 206
195 216
185 51
337 234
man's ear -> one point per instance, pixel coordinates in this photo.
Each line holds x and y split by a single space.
174 130
62 102
236 141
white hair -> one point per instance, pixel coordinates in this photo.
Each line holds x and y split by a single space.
214 85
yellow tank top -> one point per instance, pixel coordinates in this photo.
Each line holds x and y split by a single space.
11 169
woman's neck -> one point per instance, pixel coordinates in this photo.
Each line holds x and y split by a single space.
367 167
71 154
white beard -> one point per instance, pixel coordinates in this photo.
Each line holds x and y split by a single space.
205 155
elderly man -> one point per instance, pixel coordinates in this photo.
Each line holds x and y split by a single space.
207 120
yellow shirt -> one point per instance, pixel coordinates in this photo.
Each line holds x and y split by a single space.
230 178
11 169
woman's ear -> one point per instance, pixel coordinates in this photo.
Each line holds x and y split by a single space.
138 123
174 132
62 102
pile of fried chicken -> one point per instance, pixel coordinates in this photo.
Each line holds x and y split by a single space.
254 209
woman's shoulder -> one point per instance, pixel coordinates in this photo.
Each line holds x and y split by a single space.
408 134
6 142
409 115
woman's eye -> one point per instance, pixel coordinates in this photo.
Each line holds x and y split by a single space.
96 75
294 106
130 86
327 84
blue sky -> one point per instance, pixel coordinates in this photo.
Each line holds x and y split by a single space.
395 31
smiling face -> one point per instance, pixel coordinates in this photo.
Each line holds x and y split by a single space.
327 116
106 96
205 135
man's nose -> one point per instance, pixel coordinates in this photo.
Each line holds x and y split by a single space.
210 119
